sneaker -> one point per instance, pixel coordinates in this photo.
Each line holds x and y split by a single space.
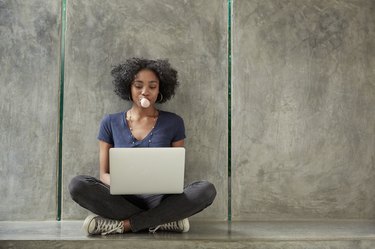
181 226
95 224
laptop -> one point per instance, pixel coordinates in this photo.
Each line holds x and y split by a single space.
147 170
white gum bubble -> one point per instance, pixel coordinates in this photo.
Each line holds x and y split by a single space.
145 103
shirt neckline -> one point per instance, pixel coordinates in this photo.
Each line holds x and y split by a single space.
136 141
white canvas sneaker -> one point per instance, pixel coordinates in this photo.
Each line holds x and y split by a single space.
95 224
181 226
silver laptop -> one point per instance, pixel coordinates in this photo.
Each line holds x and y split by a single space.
147 170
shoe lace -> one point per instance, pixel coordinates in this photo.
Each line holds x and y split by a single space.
107 226
171 226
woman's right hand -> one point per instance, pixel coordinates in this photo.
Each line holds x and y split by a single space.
104 162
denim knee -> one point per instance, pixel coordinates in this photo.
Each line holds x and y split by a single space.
208 192
76 186
211 192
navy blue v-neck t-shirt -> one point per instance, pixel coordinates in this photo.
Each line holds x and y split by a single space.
169 128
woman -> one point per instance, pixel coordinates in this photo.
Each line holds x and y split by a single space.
143 82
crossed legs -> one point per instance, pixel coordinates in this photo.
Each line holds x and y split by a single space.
142 211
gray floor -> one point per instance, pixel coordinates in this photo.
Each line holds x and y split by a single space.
312 230
316 234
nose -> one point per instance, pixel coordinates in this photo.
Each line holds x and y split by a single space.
145 91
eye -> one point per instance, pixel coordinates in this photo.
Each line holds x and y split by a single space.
153 86
138 86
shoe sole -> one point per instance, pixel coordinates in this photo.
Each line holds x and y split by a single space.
186 224
87 223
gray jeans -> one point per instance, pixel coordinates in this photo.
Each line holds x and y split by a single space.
143 211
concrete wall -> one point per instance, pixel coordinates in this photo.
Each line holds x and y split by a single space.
303 97
192 34
303 127
29 79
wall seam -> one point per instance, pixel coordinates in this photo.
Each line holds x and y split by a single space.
229 112
62 72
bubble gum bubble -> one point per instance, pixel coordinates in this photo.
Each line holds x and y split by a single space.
145 103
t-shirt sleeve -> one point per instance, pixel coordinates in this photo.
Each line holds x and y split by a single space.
180 130
105 130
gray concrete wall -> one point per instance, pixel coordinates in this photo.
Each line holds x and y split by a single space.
303 116
29 78
192 34
303 127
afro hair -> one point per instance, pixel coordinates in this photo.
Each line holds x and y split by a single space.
124 74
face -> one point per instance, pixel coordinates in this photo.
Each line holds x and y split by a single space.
145 85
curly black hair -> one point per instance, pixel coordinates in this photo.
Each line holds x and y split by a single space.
125 73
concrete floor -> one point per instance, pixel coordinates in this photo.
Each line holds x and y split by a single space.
318 234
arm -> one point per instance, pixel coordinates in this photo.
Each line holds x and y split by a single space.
179 143
104 161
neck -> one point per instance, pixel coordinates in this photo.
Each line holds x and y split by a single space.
143 112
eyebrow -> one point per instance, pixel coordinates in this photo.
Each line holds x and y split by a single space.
140 81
